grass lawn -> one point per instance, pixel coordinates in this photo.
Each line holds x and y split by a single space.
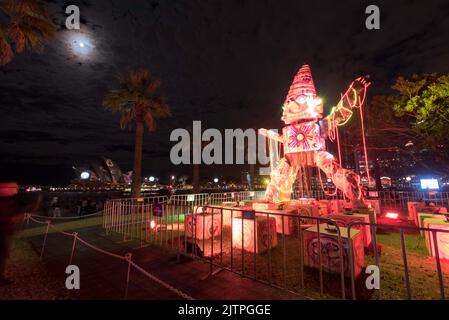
31 280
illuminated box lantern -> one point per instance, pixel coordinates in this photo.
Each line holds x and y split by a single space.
302 201
258 240
323 209
413 208
424 215
310 211
337 206
330 250
263 206
442 238
343 220
290 223
420 207
225 211
374 204
228 213
202 226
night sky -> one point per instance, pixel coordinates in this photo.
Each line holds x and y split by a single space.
227 63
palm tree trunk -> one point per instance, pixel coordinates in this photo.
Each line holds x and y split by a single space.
137 169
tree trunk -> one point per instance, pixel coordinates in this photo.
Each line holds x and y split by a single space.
196 178
377 172
137 169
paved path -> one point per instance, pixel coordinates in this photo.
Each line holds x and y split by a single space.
104 277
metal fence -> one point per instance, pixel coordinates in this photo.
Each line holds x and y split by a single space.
293 258
433 233
398 199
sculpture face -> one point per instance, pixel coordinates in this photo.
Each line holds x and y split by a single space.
305 107
302 102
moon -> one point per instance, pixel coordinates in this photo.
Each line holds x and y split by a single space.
81 45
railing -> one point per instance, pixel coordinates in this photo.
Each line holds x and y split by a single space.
213 236
402 229
294 258
398 199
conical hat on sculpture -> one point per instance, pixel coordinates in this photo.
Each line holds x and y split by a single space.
302 84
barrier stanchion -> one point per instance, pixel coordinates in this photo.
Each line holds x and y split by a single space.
45 238
75 237
128 257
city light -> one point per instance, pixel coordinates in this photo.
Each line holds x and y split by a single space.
151 179
216 180
85 175
392 215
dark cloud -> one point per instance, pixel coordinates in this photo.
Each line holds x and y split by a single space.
228 63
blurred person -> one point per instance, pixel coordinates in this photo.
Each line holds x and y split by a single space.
12 207
56 209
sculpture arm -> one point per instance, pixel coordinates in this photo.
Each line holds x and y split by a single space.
354 97
271 135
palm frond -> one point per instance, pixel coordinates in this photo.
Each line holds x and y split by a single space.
29 25
6 52
135 95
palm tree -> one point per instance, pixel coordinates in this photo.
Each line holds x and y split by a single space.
136 97
28 26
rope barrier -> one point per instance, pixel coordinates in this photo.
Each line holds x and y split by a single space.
126 257
69 218
164 284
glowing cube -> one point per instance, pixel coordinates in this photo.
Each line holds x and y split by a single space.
323 209
442 238
259 240
375 204
421 217
263 206
202 226
309 211
413 208
227 214
334 206
330 250
290 223
343 220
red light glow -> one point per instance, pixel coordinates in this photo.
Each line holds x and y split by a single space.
392 215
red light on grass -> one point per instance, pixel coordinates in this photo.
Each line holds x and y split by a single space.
392 215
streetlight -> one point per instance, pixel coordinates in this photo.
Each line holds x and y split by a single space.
216 180
151 179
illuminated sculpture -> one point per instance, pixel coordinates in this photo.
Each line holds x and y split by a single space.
304 136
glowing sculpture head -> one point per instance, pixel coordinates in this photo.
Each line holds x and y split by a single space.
302 102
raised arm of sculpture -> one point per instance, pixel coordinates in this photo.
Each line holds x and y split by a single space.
273 135
354 97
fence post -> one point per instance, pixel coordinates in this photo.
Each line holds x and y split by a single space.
26 218
75 237
128 257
